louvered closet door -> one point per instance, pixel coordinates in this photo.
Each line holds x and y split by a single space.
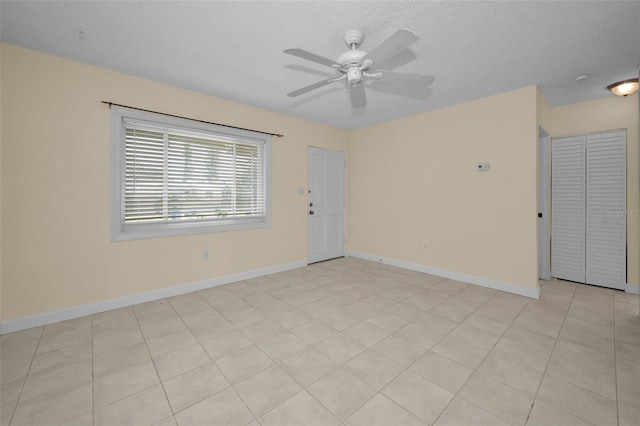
568 208
606 209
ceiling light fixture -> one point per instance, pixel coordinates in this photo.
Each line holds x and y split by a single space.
624 88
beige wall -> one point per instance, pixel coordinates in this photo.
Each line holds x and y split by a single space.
413 182
56 243
607 114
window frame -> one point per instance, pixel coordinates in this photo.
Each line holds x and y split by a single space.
122 232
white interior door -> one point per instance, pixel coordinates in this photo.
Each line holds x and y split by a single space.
326 204
568 208
606 209
589 209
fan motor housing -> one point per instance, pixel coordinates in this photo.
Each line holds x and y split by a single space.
351 58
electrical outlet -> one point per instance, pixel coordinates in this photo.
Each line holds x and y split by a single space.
205 254
425 245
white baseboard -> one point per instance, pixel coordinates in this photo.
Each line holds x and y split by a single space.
107 305
471 279
632 288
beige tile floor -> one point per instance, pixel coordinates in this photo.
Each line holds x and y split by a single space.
341 342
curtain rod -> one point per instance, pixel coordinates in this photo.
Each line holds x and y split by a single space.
192 119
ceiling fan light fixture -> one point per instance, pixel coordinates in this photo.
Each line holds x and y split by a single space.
357 66
624 87
354 76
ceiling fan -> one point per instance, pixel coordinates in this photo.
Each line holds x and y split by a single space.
356 66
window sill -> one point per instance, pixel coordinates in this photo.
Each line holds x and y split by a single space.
142 232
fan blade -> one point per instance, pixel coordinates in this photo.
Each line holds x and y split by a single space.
401 58
302 100
409 85
358 97
312 70
301 53
310 88
394 44
407 79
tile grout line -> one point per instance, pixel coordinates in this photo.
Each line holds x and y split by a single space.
457 394
336 277
173 413
232 385
237 329
408 368
597 350
277 363
305 388
166 397
555 342
400 372
33 357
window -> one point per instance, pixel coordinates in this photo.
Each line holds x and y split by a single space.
173 176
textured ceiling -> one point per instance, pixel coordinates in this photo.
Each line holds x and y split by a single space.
233 49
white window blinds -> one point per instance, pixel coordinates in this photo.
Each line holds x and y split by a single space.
179 178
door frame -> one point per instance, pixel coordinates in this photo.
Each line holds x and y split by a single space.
543 205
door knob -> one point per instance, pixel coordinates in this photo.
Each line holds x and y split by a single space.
311 212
